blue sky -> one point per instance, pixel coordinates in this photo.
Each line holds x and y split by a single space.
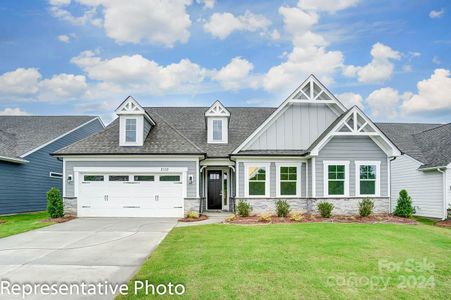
85 56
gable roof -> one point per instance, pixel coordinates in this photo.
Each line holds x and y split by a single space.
22 135
429 144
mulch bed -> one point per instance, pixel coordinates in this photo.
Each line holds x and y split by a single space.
2 221
446 223
58 220
201 218
383 218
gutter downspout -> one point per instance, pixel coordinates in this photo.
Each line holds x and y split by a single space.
389 183
444 193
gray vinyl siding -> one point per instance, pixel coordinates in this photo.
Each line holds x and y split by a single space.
23 187
353 148
296 128
425 188
272 179
146 129
190 165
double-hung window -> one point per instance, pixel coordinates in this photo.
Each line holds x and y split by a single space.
217 130
257 178
288 180
130 130
336 176
367 178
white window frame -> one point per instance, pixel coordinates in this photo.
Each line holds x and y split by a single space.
139 130
213 129
267 179
56 175
298 179
326 165
136 129
378 177
224 138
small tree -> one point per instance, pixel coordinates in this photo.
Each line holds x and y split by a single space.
282 208
404 206
366 207
55 203
325 209
243 208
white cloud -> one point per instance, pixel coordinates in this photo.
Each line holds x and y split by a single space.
221 25
330 6
64 38
207 3
236 75
384 102
350 99
20 83
275 35
379 69
152 21
13 112
433 94
62 86
435 14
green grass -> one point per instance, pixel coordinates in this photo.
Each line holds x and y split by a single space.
300 261
14 224
425 220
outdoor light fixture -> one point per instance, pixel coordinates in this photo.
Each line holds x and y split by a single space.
190 179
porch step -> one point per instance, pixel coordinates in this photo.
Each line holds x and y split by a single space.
216 213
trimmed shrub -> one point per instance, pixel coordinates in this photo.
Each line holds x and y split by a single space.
265 217
55 205
404 206
366 207
243 208
192 214
282 208
325 209
296 217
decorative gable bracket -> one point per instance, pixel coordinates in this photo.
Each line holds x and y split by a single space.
131 107
217 110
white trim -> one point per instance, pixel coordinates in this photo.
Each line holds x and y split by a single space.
224 129
219 162
269 158
58 175
326 164
14 160
378 177
61 136
64 178
139 138
313 177
445 211
306 179
221 112
237 180
298 179
267 167
134 170
132 157
141 111
197 179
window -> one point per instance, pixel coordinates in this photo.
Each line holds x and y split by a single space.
118 177
93 178
130 130
217 130
367 178
144 178
256 180
170 178
288 180
336 179
55 175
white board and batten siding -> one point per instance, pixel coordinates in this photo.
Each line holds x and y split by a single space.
425 187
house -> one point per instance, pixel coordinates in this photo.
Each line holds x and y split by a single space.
27 171
424 169
165 161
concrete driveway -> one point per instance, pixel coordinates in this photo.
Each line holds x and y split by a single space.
86 249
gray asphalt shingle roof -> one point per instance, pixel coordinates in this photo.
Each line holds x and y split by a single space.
21 134
427 143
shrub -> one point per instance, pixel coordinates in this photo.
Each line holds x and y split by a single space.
192 214
55 203
404 206
265 217
296 217
243 208
282 208
366 207
325 209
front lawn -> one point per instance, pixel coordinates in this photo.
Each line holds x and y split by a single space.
304 261
14 224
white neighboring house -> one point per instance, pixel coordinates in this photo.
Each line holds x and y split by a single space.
424 169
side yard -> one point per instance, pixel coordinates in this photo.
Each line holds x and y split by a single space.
14 224
303 261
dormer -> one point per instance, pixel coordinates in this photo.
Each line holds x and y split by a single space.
134 123
217 118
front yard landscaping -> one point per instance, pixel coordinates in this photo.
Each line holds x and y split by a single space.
14 224
303 261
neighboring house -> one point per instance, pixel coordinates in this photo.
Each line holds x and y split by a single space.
165 161
27 170
424 169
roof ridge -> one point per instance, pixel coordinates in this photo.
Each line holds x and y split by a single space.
265 107
409 123
434 128
178 132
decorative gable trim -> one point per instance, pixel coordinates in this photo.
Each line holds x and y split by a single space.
356 123
217 110
311 91
131 107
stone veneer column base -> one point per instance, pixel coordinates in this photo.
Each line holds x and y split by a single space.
70 206
192 204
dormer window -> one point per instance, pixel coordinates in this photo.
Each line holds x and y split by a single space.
217 119
130 130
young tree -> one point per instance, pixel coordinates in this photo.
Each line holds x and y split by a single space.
404 206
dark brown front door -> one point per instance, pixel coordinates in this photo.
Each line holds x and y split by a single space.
214 189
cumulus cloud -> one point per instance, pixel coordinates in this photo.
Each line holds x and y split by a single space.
433 94
379 69
221 25
64 38
435 14
330 6
20 83
350 99
236 75
152 21
62 86
384 102
13 112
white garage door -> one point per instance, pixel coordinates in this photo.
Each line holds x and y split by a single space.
130 195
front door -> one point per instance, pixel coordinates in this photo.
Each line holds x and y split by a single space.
214 190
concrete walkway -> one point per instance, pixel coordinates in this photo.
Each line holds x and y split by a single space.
213 218
83 250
